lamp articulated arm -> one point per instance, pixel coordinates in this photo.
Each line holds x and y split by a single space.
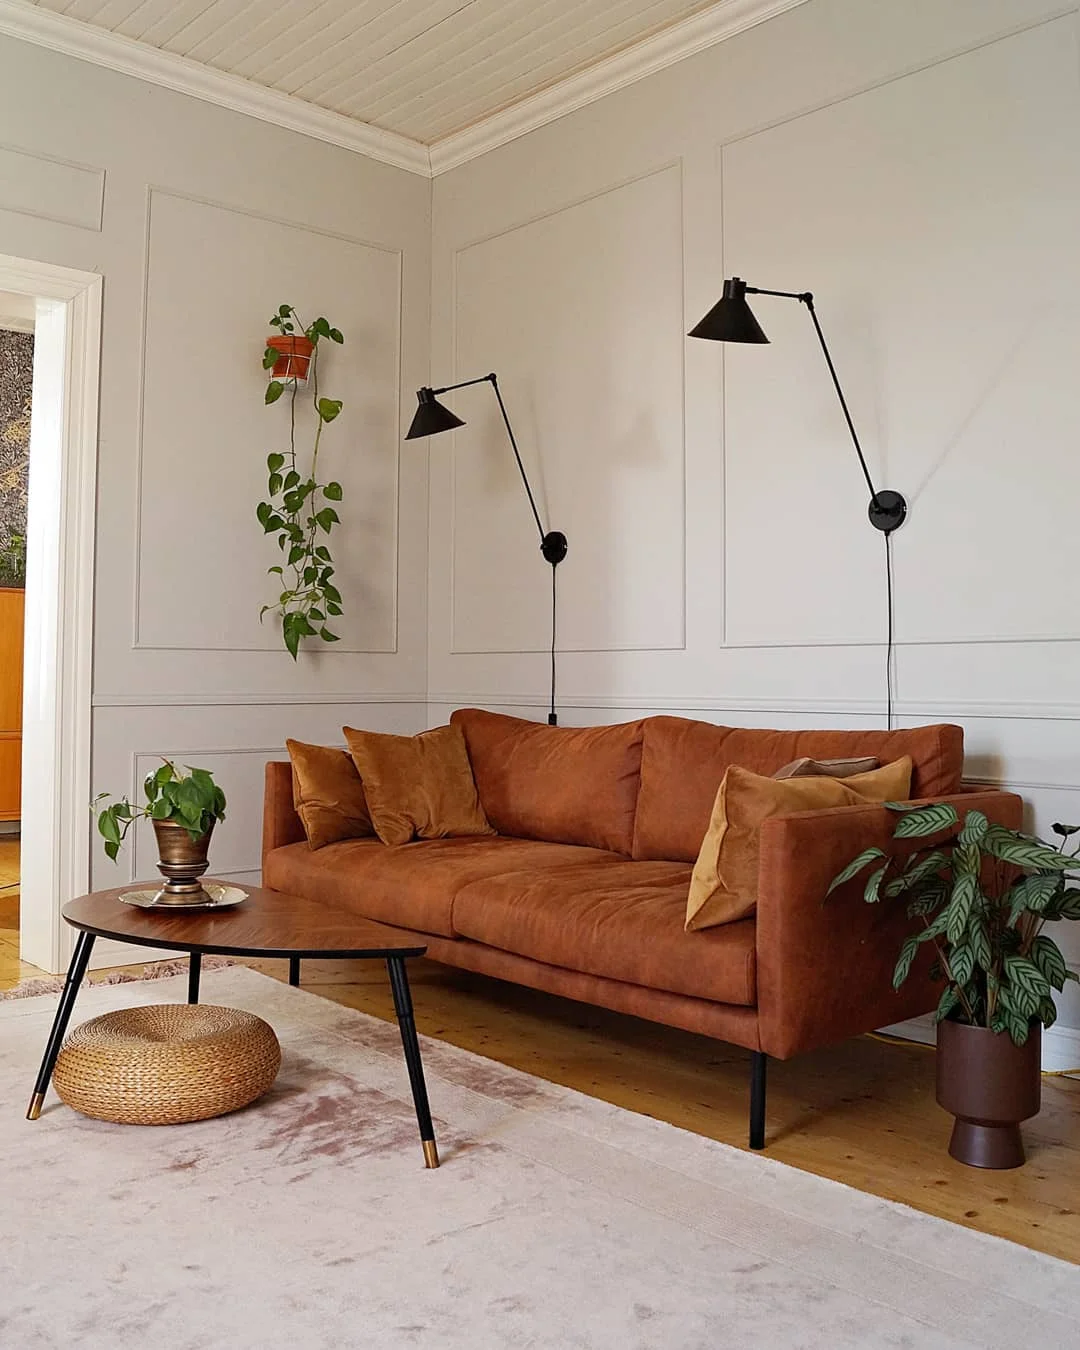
430 418
731 320
553 543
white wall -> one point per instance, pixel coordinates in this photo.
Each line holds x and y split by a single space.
202 221
915 165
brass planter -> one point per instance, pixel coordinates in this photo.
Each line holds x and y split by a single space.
990 1085
181 861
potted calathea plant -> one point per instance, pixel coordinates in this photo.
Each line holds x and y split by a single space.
183 809
298 508
982 895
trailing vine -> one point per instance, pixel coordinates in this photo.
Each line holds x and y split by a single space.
298 507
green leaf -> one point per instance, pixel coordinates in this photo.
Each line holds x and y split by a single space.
321 551
332 492
1068 905
272 571
332 593
274 391
867 856
273 484
1026 979
962 963
873 885
328 408
321 327
1017 1026
326 518
1065 830
275 462
327 636
903 964
924 820
975 827
950 997
111 849
162 809
926 899
109 826
1046 954
270 358
284 311
291 633
1031 895
263 513
979 938
335 335
1018 849
961 901
291 479
295 554
332 609
1046 1012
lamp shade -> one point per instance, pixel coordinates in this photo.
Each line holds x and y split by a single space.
731 319
431 416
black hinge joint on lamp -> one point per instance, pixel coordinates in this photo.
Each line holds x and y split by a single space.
732 320
431 417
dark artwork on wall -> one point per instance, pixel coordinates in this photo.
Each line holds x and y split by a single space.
16 374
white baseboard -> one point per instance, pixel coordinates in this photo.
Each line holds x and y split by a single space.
1060 1045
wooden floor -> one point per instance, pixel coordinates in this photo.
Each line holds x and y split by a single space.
862 1113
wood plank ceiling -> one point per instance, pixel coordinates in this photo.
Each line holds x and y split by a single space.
422 68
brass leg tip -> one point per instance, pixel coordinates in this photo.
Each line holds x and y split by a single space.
431 1153
38 1100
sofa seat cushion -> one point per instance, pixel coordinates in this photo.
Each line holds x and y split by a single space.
683 763
622 920
413 885
569 785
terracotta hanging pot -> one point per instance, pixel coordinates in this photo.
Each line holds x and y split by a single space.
990 1085
294 356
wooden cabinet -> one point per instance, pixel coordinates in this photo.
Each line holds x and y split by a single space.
11 670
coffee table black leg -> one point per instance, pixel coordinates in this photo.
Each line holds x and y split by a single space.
399 983
76 971
194 971
294 971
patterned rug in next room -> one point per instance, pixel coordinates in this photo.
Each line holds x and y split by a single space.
555 1222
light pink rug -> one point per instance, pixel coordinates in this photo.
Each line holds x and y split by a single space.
555 1222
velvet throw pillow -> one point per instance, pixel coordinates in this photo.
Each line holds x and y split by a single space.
327 794
723 886
418 787
826 768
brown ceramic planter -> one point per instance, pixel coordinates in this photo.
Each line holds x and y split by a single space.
990 1085
181 861
294 356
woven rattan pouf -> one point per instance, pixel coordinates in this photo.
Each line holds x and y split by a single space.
166 1064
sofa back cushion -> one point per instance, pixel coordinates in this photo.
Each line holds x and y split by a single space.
566 785
683 763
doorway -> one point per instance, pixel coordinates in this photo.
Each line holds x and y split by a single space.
17 320
53 816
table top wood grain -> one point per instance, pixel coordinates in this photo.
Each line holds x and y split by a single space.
267 923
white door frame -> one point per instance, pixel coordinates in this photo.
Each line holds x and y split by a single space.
57 671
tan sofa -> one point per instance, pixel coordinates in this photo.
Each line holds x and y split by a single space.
582 892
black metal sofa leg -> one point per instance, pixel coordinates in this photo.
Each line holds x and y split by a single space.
758 1064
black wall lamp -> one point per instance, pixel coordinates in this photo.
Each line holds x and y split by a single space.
732 320
430 418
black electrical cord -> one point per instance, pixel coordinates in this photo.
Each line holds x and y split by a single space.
889 639
553 719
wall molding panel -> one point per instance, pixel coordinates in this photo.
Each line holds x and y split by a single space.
48 188
171 257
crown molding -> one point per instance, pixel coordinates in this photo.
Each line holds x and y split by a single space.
72 37
664 49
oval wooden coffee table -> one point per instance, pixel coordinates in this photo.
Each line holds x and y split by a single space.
267 923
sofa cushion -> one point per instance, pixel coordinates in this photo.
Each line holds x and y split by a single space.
418 787
327 794
568 785
412 885
683 762
724 885
623 921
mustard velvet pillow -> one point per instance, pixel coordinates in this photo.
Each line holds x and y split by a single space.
418 787
327 794
723 886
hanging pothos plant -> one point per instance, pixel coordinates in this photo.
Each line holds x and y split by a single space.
298 508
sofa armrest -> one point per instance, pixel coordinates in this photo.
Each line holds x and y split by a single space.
281 824
825 969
